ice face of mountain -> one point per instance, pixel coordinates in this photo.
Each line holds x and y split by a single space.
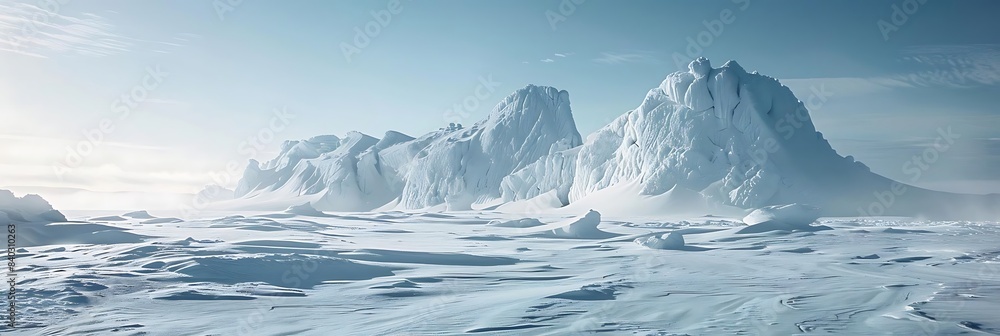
714 131
554 172
469 165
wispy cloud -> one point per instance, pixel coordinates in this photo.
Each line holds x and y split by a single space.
954 67
620 58
548 60
957 66
32 31
31 139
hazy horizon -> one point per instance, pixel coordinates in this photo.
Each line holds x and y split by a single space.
211 77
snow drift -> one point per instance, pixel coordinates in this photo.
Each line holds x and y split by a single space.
790 217
582 227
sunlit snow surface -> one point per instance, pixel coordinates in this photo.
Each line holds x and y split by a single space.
399 273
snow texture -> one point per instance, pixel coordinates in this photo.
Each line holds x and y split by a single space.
418 273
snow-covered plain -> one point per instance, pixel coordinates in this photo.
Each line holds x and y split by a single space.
301 272
707 210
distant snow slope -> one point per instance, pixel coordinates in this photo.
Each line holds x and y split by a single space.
36 223
703 140
27 208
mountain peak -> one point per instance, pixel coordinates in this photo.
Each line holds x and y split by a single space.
540 98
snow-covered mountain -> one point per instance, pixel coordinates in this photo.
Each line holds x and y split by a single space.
468 166
703 140
452 166
29 207
339 174
740 139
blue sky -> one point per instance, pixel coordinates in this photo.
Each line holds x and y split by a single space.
220 75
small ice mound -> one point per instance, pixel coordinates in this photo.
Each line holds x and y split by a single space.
107 219
790 217
163 220
672 241
188 242
196 295
522 223
592 292
905 231
305 209
583 227
141 214
792 214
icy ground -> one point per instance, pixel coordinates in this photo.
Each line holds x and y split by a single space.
486 273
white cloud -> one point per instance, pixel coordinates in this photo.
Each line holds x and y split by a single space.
840 86
619 58
548 60
32 31
929 66
956 66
